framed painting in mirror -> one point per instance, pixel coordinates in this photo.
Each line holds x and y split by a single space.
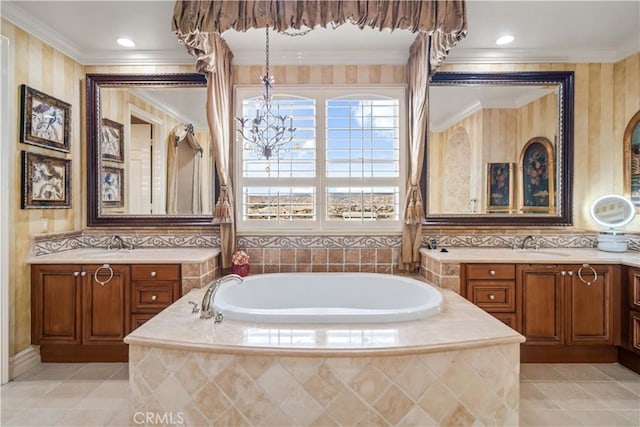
499 187
112 187
536 183
112 140
632 160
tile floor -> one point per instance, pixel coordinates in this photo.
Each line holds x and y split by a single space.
94 394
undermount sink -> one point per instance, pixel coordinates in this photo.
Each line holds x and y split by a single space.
543 254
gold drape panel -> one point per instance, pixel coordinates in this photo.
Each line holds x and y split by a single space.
417 79
444 19
172 171
215 62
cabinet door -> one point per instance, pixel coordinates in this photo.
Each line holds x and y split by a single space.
106 306
56 304
541 301
589 308
634 330
634 288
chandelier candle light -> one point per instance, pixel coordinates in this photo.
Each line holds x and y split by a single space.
267 132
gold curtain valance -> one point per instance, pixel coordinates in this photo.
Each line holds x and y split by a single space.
444 20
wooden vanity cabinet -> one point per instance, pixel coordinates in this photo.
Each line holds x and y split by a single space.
492 287
564 305
153 288
75 318
632 310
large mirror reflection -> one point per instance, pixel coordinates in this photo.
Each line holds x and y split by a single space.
149 141
499 148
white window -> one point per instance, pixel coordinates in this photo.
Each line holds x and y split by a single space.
344 170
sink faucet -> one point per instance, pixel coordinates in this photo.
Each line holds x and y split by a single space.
207 310
116 240
524 242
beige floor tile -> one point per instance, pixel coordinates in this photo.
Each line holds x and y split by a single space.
121 419
111 389
612 395
580 372
71 389
569 396
634 386
120 404
86 418
546 417
539 372
617 371
97 371
51 371
532 398
601 418
39 418
633 416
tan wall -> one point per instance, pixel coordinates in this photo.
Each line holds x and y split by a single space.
45 69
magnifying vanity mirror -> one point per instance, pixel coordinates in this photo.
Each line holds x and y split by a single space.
149 153
499 149
612 212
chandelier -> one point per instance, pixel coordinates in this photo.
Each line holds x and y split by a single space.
268 131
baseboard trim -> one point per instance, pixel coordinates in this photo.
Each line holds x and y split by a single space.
23 361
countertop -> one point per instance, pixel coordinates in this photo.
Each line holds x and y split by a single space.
177 328
125 256
532 256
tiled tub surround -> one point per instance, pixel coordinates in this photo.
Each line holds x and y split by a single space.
443 268
431 371
199 266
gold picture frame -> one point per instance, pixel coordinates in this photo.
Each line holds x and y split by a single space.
632 161
536 183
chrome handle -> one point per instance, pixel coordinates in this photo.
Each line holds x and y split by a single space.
570 273
154 297
196 307
593 271
154 274
563 273
84 273
104 267
492 297
219 317
492 273
76 273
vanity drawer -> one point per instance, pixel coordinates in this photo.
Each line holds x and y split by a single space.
138 320
508 319
153 296
493 296
491 271
155 272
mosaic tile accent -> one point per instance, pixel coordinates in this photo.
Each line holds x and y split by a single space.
477 387
46 244
507 241
50 243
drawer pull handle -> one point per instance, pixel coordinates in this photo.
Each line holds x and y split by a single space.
492 272
593 271
492 297
154 297
154 274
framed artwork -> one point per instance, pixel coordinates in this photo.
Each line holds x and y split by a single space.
46 181
45 121
536 183
499 187
112 140
632 160
112 187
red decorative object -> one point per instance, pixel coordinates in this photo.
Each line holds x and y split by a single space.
240 270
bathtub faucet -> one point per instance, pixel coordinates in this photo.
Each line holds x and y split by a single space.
207 311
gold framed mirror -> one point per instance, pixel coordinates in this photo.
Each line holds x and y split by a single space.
632 161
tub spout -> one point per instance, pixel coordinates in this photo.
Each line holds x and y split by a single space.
207 311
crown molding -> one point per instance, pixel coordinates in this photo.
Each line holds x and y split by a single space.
488 56
453 119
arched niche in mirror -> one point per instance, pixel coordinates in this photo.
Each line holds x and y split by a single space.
497 114
146 134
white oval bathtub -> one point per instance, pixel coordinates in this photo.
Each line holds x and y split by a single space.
327 298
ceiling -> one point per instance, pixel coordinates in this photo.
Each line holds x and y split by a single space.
545 31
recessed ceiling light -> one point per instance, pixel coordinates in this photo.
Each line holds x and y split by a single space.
123 41
504 40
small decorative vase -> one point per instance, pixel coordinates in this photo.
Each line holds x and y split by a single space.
240 270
